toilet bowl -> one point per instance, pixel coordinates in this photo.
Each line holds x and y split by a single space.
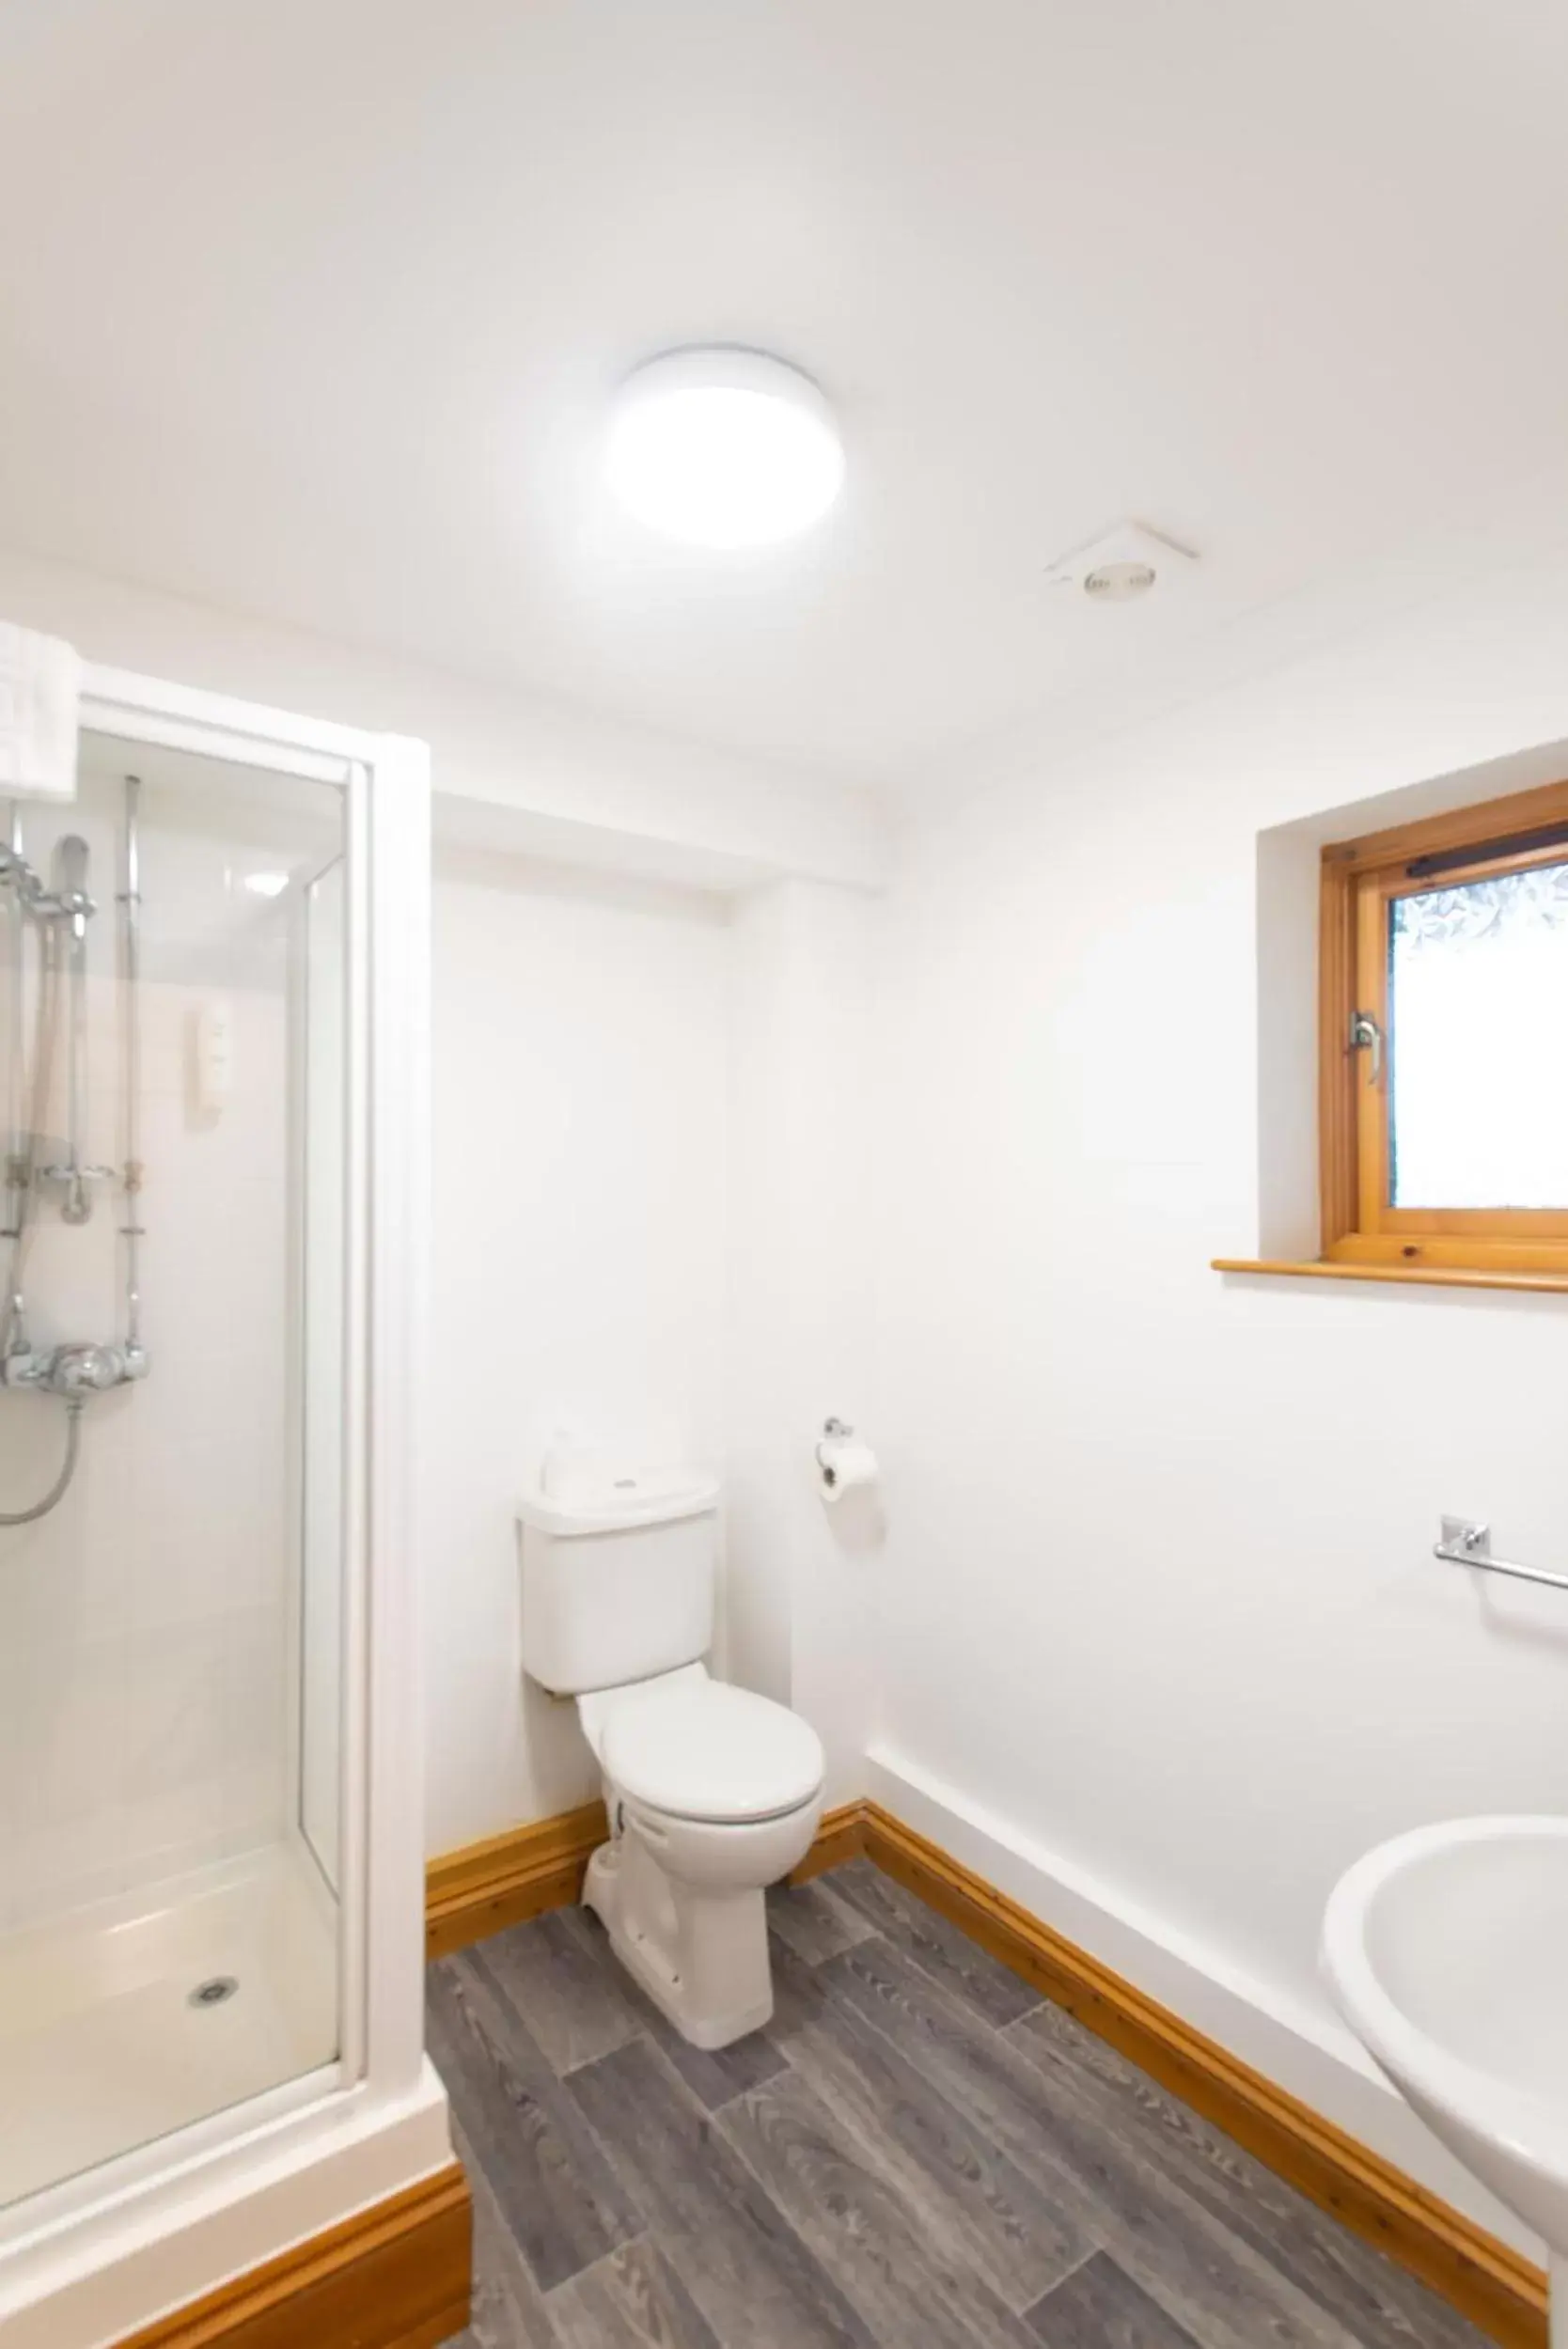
713 1793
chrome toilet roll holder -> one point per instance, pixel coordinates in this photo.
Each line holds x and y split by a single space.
834 1432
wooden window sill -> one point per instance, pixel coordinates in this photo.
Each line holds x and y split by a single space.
1423 1275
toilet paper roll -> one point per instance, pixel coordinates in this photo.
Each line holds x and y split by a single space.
842 1464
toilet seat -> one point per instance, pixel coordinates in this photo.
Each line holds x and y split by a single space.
701 1749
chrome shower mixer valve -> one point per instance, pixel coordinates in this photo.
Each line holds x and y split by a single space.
56 916
78 1371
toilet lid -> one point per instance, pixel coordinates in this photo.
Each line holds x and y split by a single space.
704 1750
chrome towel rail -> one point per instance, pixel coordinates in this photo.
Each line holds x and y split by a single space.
1467 1543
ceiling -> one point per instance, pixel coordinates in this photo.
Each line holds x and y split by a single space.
310 308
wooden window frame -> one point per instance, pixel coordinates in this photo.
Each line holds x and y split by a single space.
1359 878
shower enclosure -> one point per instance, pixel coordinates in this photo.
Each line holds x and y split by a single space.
211 969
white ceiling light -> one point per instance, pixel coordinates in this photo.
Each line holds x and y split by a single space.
724 448
266 883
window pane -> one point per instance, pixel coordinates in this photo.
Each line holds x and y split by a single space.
1478 1016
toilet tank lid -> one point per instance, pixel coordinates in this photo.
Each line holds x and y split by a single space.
610 1502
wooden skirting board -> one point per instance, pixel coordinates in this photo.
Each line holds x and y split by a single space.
487 1887
393 2277
479 1890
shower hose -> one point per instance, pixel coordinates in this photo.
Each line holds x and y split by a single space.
68 1469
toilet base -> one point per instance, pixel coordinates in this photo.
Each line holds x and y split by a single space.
701 1955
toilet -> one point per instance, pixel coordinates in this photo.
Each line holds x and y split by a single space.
712 1793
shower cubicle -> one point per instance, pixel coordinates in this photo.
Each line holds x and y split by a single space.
212 975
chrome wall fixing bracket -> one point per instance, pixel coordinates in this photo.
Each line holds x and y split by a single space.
1467 1541
835 1431
76 1205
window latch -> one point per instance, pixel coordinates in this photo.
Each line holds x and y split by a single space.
1366 1036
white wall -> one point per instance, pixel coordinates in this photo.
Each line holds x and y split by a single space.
509 771
580 1045
1163 1638
802 1107
652 1128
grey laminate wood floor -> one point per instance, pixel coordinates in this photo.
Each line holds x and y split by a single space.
916 2153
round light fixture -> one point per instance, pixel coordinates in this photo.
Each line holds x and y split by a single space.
266 883
723 448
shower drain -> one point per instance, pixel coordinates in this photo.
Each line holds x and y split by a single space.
213 1991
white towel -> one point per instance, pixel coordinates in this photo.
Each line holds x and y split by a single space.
39 681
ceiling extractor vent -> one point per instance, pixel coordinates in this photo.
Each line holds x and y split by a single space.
1121 564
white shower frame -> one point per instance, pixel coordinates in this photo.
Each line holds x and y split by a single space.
381 2082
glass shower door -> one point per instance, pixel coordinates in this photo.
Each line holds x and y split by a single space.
172 1618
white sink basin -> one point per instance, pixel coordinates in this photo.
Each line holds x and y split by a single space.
1448 1953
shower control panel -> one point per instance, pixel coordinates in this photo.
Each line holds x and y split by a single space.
74 1371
